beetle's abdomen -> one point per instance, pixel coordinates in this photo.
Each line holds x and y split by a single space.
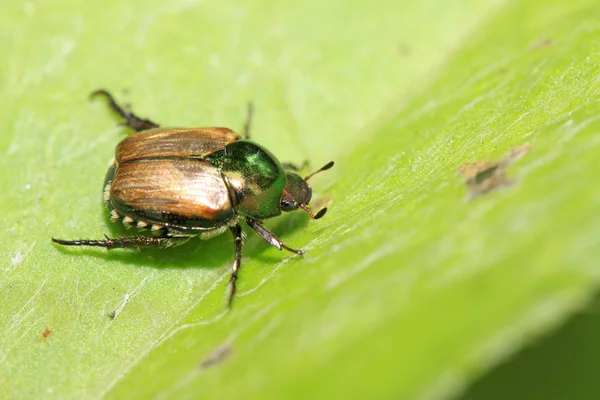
173 142
182 193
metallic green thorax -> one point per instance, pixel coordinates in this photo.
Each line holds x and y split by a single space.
254 177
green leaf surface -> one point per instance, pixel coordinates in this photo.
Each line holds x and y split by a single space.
407 289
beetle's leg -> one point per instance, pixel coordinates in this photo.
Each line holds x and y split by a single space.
269 237
246 132
134 241
295 167
237 262
131 120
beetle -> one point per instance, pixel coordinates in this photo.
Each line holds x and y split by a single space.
181 183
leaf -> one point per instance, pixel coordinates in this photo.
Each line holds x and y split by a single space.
407 289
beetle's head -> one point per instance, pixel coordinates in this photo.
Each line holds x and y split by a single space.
297 193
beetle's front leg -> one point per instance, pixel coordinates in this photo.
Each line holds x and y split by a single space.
131 120
269 237
237 262
124 242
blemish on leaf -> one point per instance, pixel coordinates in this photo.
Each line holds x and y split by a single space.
404 49
321 202
542 43
45 334
17 258
218 356
112 314
483 176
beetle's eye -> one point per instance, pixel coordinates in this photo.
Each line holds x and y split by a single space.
288 205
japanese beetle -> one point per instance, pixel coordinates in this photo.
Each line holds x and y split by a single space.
181 183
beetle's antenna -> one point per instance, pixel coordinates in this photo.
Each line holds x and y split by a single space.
310 214
324 168
305 206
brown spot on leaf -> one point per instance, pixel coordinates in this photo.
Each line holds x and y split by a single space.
482 176
45 334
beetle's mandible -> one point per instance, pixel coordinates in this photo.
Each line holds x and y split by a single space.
180 183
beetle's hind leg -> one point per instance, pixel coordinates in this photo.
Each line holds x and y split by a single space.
131 120
124 242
